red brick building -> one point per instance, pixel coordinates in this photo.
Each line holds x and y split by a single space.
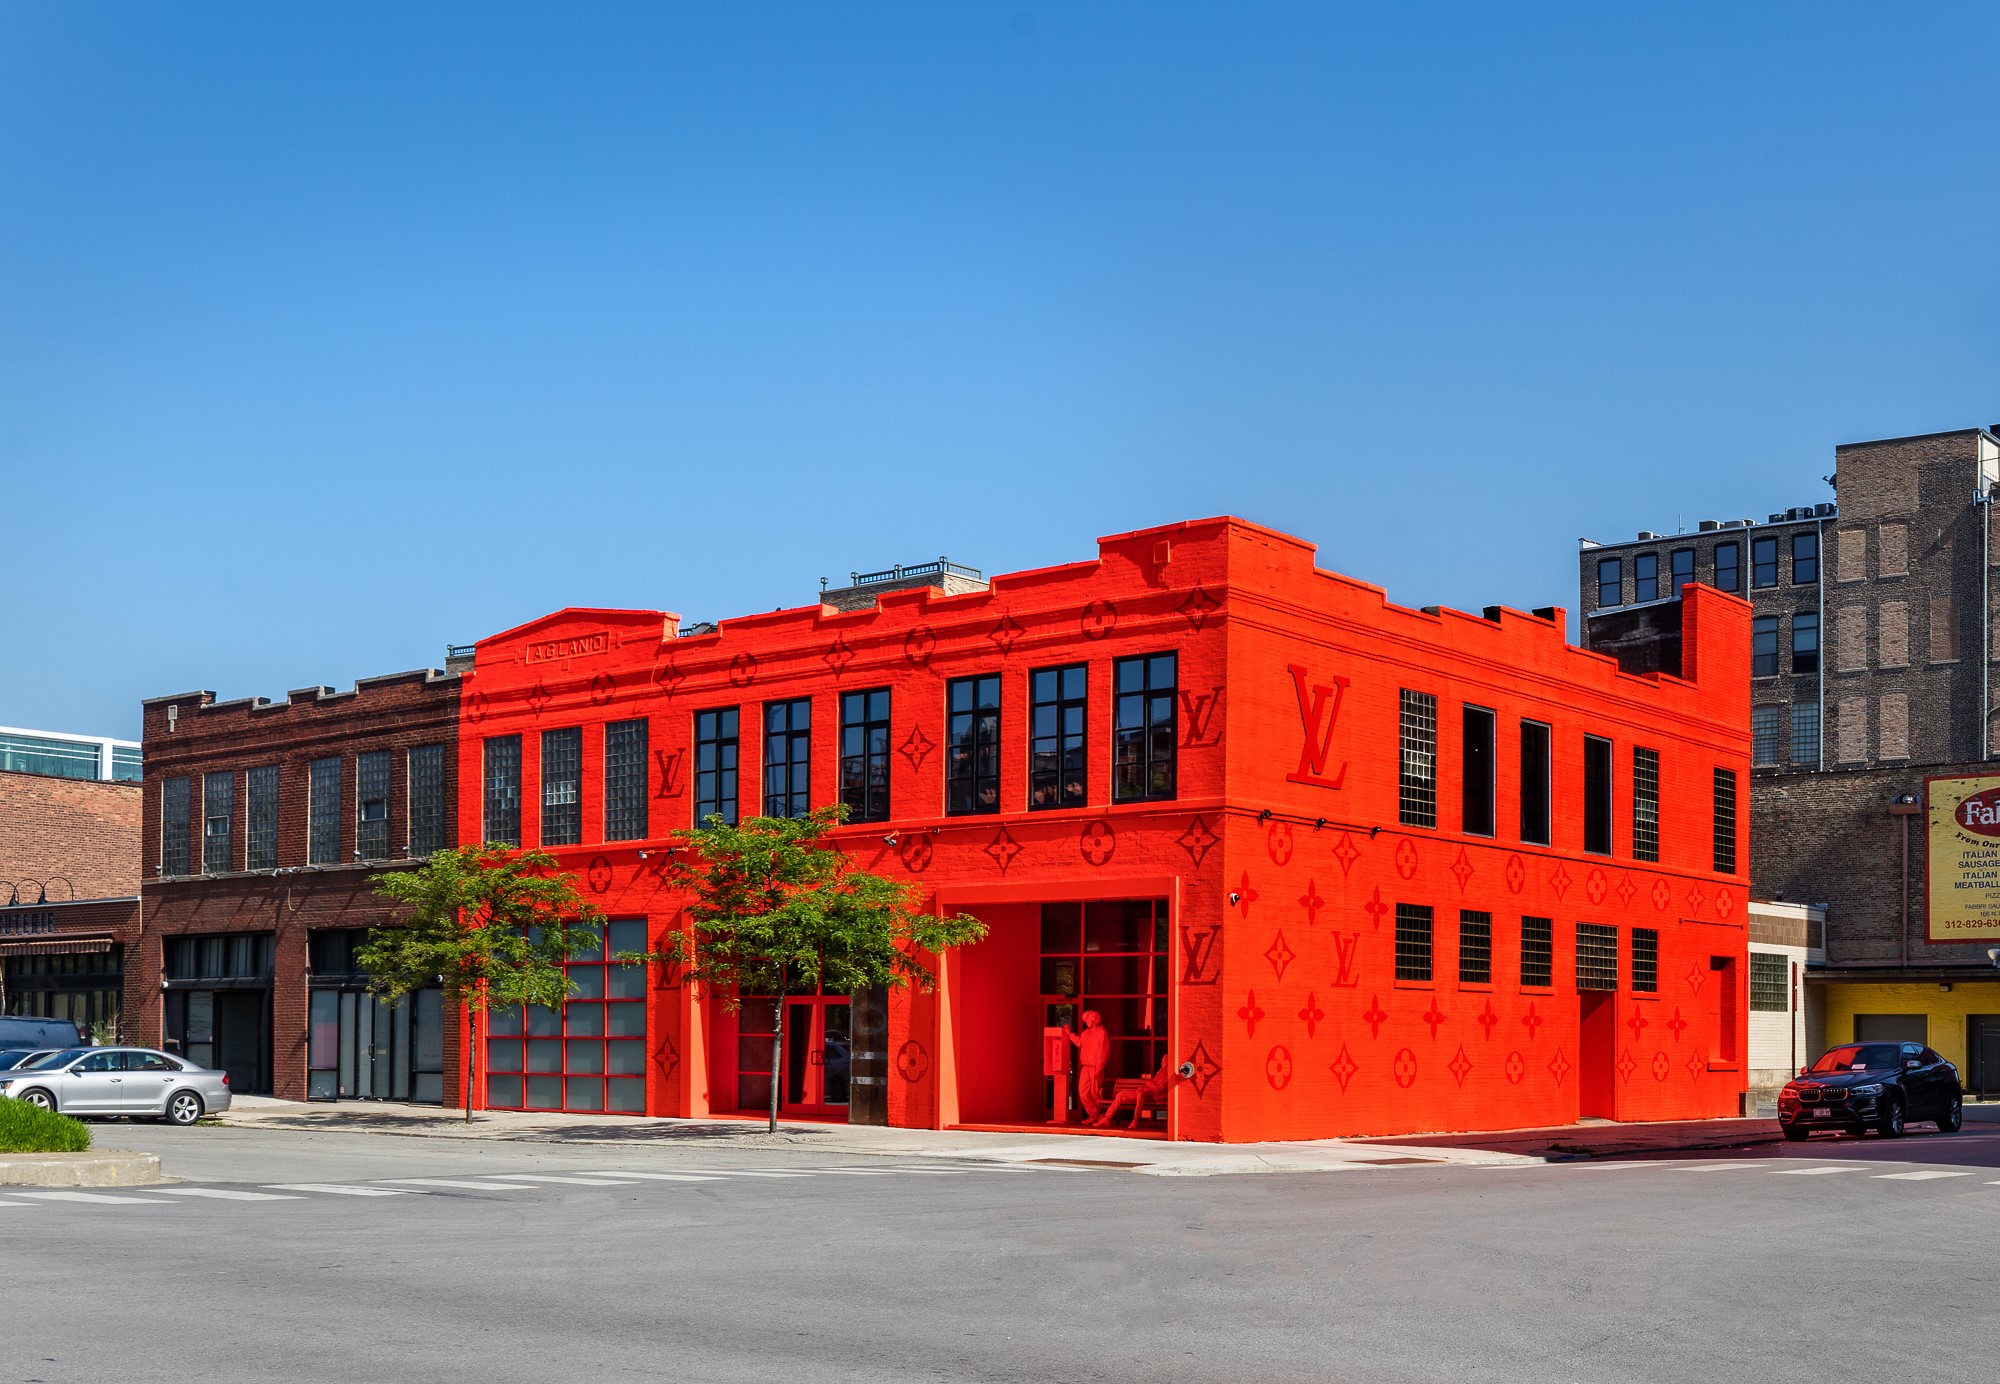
263 822
1361 869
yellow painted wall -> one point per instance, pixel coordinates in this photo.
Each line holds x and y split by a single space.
1947 1010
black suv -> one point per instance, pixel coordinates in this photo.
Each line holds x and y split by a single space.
1881 1086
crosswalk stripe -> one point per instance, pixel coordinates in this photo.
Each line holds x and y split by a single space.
337 1189
223 1194
704 1175
855 1172
1915 1177
1717 1168
572 1181
458 1182
94 1198
1808 1172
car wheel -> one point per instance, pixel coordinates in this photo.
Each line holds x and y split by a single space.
1953 1117
1891 1123
1798 1134
41 1099
184 1108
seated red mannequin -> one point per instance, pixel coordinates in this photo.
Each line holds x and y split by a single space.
1154 1087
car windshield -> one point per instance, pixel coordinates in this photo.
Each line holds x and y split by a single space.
1860 1057
12 1057
58 1059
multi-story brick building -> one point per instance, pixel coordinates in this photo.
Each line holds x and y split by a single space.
1356 868
263 824
69 876
1871 673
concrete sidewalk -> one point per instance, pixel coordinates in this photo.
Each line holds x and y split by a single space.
1152 1156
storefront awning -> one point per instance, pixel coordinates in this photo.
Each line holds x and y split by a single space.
58 946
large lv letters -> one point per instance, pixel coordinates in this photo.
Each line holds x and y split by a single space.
1319 712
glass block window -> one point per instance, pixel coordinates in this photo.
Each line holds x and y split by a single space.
625 801
1417 772
426 796
502 791
1146 727
1646 577
372 771
1683 569
1413 941
1475 948
260 846
1805 557
562 786
218 822
590 1055
1645 961
1596 957
1056 749
1763 563
1597 795
1764 734
1610 581
1645 803
1805 642
1536 793
1805 733
1764 646
972 745
1729 566
864 754
788 758
323 812
715 766
1538 951
1724 795
1770 982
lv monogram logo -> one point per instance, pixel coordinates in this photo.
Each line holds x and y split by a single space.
1203 955
1319 713
672 784
1345 944
1198 714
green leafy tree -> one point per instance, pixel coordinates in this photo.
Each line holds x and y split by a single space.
775 904
490 924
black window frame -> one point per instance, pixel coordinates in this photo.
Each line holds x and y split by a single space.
1416 758
1645 577
1475 947
1764 732
972 745
1806 730
864 753
1764 563
1596 957
1805 641
627 805
1645 804
1145 728
1538 953
1537 783
1805 554
1764 646
1479 737
1723 805
1645 946
1680 564
1059 737
718 763
1599 827
787 757
1415 942
1729 573
1611 582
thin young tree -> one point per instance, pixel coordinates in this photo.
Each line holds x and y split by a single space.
774 903
490 924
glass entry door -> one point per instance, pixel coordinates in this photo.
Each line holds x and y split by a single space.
365 1048
817 1055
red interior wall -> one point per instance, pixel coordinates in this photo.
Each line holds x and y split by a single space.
1596 1042
997 1020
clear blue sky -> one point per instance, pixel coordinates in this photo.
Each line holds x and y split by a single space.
331 334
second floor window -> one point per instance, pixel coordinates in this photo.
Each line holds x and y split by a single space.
323 812
1596 795
1538 951
1646 577
1535 788
1475 947
1413 942
218 816
1764 646
1056 750
1728 567
625 781
174 826
1805 642
1645 803
1805 733
1763 563
1683 569
1417 765
562 785
1763 735
425 798
1476 792
715 736
371 802
864 754
1610 581
501 792
1146 727
260 811
972 745
1805 557
788 758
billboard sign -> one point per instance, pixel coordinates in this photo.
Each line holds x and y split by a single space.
1962 861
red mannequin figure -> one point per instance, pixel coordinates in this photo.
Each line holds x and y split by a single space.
1158 1084
1093 1055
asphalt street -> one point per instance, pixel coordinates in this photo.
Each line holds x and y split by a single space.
341 1256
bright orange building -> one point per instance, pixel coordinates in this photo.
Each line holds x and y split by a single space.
1352 868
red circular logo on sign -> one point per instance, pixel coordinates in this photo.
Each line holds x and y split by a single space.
1980 813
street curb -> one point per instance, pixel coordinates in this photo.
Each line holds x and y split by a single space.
115 1168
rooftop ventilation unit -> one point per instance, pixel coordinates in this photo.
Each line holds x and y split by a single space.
1825 511
1707 526
1647 535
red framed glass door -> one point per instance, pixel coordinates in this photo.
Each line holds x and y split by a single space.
817 1055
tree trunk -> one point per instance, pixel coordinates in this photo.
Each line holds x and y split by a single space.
777 1056
471 1056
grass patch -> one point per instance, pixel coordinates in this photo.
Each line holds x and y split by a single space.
26 1128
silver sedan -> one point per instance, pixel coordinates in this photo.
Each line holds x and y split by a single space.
138 1082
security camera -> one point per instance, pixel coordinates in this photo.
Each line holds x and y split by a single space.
1234 898
1185 1070
890 839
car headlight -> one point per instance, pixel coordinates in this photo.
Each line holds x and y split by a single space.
1874 1089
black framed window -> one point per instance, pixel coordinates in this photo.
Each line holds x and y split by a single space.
323 812
1729 567
1805 557
260 809
1805 642
1763 563
1724 802
1610 581
1596 957
1683 561
1058 745
1146 728
625 803
218 822
1596 795
502 790
562 786
788 758
864 754
1475 947
1763 735
427 769
371 804
1416 774
1645 803
1535 784
1764 646
1538 952
1413 941
715 745
1805 733
1770 982
1646 577
1645 961
972 745
1476 790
